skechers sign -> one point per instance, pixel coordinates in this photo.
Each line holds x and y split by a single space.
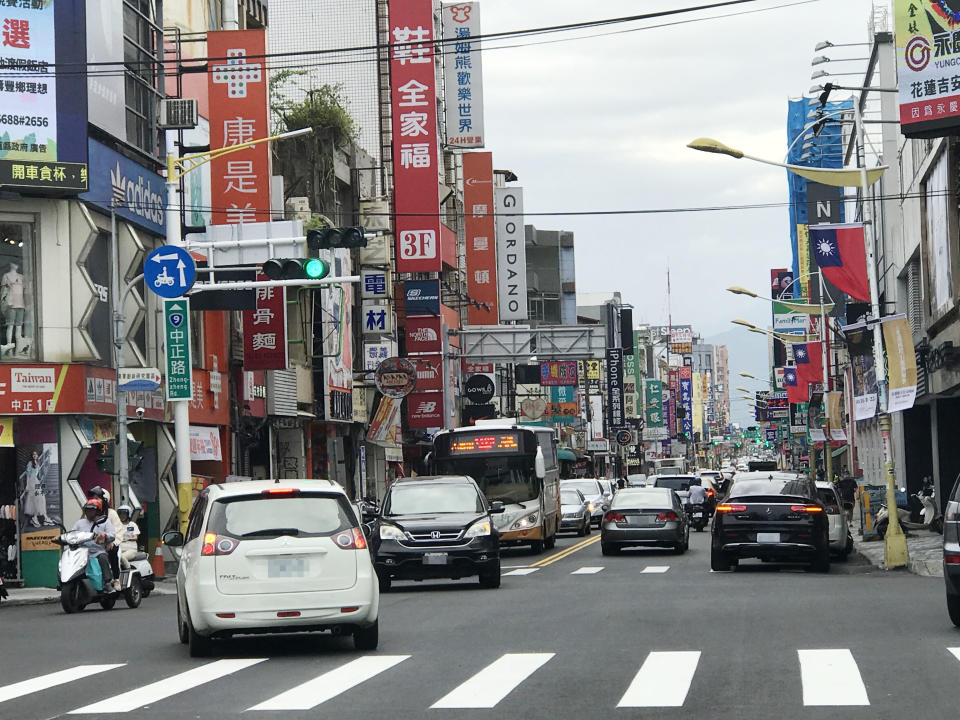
139 194
423 297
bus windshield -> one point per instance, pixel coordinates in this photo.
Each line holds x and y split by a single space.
509 479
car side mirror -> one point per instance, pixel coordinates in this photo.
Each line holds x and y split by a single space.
173 538
496 507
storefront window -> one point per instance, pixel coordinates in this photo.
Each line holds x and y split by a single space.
17 290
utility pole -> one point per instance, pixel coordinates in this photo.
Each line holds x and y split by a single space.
119 328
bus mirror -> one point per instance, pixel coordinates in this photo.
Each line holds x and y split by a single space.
539 466
496 507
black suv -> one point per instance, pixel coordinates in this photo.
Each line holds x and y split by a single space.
436 527
772 516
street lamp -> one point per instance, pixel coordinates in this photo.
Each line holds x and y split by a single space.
177 167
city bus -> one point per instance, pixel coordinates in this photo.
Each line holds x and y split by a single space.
515 464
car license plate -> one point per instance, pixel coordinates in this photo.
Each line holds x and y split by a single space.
768 537
698 515
436 558
286 567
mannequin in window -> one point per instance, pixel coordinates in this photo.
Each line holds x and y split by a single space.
12 307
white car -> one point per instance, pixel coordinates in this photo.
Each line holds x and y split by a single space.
841 541
268 556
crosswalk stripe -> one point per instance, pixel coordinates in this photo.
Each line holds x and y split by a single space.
655 569
19 689
494 682
956 652
154 692
589 570
522 571
330 684
831 677
663 680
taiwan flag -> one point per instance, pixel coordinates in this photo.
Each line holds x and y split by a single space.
841 255
796 393
809 362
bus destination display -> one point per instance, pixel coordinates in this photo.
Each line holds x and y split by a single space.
475 444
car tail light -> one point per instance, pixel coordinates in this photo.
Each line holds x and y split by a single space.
833 509
351 539
668 516
806 508
350 609
951 558
730 508
710 493
280 491
214 544
613 517
288 613
226 616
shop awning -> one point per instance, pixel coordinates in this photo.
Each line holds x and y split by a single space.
839 451
566 454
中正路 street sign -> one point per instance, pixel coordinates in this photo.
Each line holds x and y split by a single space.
176 324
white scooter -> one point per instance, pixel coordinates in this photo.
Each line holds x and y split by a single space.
81 582
137 570
932 519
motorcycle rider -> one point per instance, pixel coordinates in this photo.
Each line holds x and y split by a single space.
113 551
95 521
698 496
128 535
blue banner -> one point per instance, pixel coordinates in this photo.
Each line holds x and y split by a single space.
140 194
423 297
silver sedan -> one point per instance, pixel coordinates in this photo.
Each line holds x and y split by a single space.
645 516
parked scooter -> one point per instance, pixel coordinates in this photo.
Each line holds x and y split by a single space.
3 590
81 581
698 516
932 519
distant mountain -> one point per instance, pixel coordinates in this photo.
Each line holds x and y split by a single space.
747 352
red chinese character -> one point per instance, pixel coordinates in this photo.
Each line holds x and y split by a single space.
16 33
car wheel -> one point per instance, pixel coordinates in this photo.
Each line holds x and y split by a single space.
849 547
551 542
582 530
384 581
536 547
182 631
609 548
953 608
937 525
589 528
491 578
718 561
367 638
200 645
680 548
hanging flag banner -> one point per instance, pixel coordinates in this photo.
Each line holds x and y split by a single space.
796 393
841 254
901 363
860 347
835 408
815 418
809 362
463 75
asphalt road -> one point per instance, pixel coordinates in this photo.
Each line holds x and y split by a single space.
645 634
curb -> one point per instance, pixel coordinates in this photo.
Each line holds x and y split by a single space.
43 596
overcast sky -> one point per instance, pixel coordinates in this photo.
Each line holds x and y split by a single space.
602 124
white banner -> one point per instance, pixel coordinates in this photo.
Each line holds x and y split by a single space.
462 75
511 254
205 443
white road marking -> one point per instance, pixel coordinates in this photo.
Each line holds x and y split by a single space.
162 689
330 684
522 571
9 692
955 651
663 680
655 569
494 682
831 677
587 570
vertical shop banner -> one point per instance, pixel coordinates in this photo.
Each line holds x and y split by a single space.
615 417
630 387
901 363
481 245
860 346
815 418
38 488
511 254
265 330
237 88
462 75
697 404
654 411
337 301
834 402
685 400
681 339
926 51
798 418
673 395
413 106
564 405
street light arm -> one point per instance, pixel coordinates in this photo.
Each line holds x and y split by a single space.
178 167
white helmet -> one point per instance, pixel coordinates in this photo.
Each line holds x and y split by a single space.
126 509
106 496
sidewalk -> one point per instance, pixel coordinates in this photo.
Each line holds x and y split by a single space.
925 550
37 596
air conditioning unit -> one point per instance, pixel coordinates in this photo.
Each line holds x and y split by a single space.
180 113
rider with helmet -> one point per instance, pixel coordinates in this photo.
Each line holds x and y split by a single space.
128 535
113 551
94 520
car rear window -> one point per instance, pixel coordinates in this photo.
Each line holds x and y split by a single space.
311 515
827 496
589 488
676 483
570 498
653 498
773 487
412 499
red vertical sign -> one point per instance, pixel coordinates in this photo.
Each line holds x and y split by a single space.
237 88
481 243
265 330
413 105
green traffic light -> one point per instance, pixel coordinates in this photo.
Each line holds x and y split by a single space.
315 268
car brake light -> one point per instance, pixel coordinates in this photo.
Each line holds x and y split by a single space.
668 516
730 508
613 517
951 558
214 544
351 539
806 508
280 491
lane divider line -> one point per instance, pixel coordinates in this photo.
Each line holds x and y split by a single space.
566 552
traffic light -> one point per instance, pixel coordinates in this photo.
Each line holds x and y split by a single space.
105 457
134 454
334 238
296 268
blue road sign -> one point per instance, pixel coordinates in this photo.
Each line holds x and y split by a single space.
169 271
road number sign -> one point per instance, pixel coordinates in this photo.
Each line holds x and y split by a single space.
176 323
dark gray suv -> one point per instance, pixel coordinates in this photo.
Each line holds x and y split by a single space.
951 553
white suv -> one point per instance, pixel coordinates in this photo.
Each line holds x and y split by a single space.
270 556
